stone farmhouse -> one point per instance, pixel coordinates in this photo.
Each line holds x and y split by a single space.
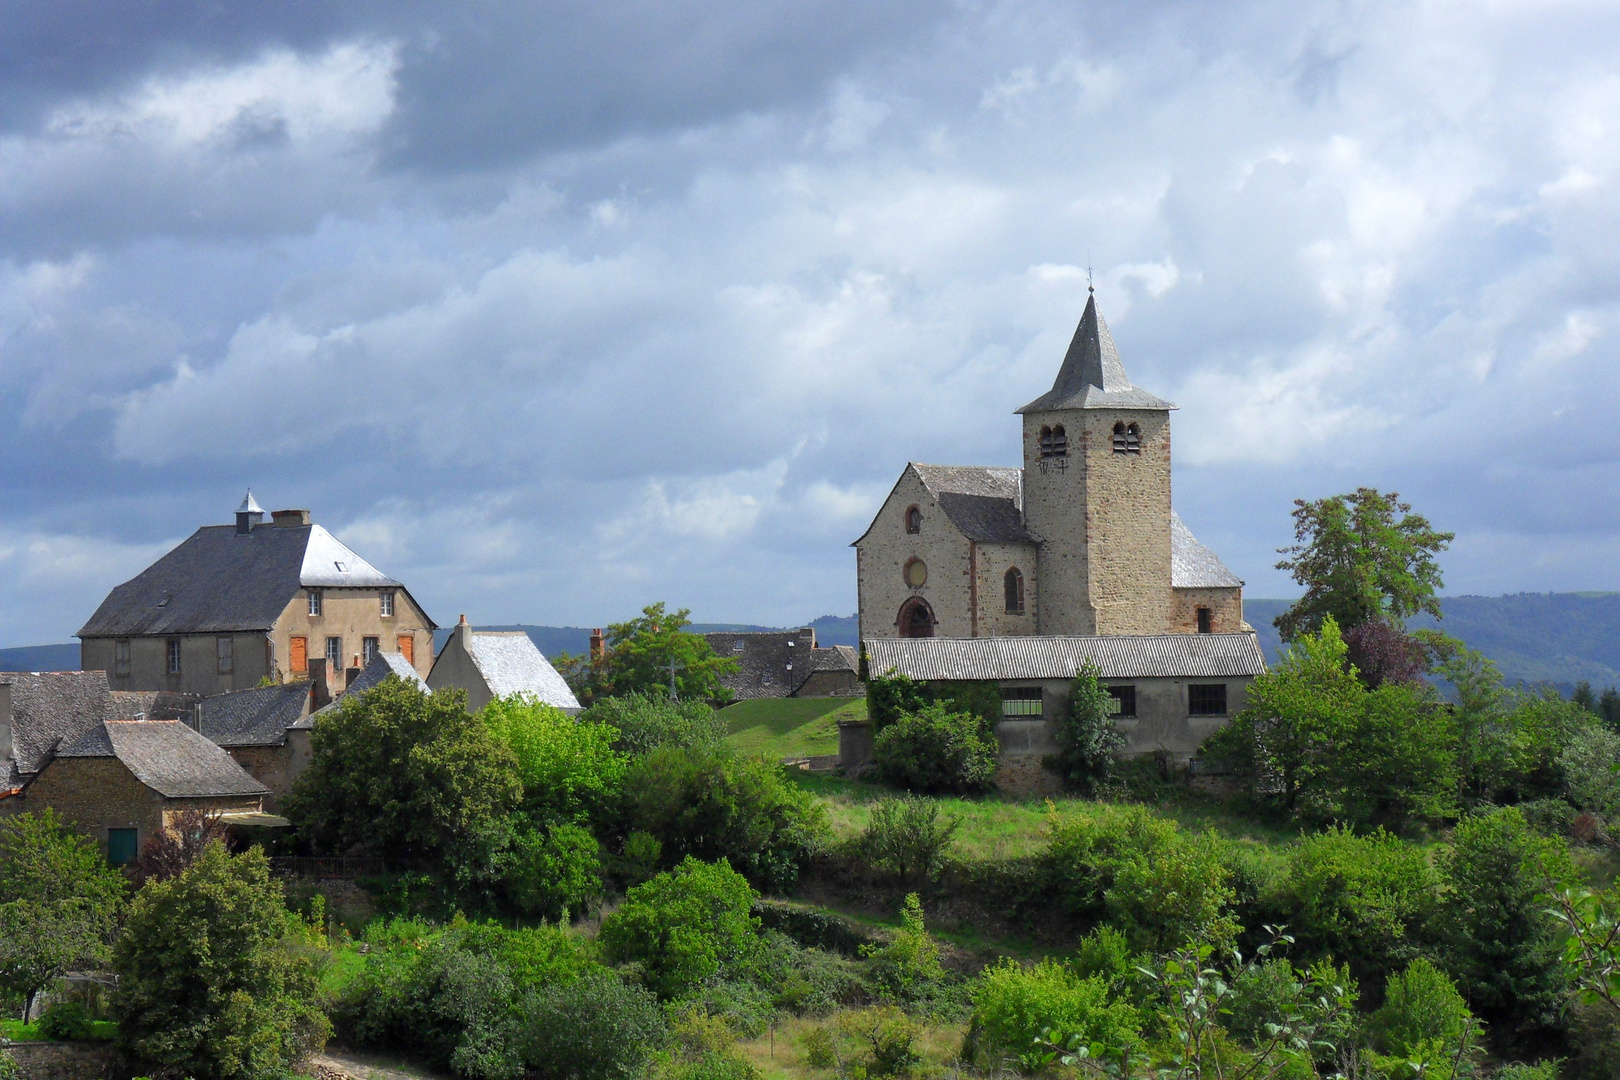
785 663
1021 575
232 606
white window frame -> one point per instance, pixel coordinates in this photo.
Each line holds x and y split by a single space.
370 649
334 653
386 602
314 603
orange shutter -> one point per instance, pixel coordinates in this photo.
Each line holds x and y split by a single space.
300 656
407 648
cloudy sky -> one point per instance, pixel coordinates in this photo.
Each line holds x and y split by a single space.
552 310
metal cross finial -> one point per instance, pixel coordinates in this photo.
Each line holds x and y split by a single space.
1090 288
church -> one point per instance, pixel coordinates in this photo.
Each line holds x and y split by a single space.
1022 576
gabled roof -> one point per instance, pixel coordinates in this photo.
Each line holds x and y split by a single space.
168 757
510 664
219 580
1092 376
836 658
53 708
771 663
257 717
1194 566
382 665
1162 656
983 502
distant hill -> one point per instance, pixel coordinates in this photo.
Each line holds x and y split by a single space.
41 658
551 640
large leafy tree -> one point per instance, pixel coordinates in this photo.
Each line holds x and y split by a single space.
1363 558
59 903
407 776
649 654
215 980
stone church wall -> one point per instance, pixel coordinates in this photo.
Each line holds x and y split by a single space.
882 558
1225 610
991 563
1128 523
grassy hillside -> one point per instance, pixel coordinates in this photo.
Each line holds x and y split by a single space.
790 727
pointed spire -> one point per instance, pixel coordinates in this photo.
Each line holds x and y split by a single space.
248 515
1092 376
249 505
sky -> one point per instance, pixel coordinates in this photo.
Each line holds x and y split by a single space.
554 310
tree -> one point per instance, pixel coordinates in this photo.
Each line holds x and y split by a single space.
910 836
1088 739
407 776
169 851
645 722
570 771
1363 557
215 979
647 654
684 926
59 903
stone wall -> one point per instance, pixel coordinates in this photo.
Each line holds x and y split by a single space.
65 1060
991 561
1128 523
199 673
352 615
885 550
1225 609
276 767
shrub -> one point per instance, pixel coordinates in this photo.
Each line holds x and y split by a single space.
596 1027
1588 762
554 872
886 1039
891 696
907 967
935 750
645 722
213 979
1545 1070
684 926
802 981
1423 1016
714 804
909 836
1105 954
169 851
1013 1005
66 1020
570 771
9 1069
1088 740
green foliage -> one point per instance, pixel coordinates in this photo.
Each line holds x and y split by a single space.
59 903
891 696
1545 1070
935 750
595 1027
215 979
1362 899
908 836
1500 944
1361 557
684 926
553 872
407 776
66 1020
714 804
9 1069
645 722
1105 953
1137 870
883 1040
1088 741
1590 764
1591 921
906 967
570 771
1423 1018
641 656
1013 1006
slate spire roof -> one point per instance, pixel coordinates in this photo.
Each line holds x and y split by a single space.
1092 376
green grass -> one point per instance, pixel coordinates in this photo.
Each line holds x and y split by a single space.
790 727
17 1031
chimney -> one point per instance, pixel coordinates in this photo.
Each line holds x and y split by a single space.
352 673
320 692
248 515
464 634
290 519
6 751
598 644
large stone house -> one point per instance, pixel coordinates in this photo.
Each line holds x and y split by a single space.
234 605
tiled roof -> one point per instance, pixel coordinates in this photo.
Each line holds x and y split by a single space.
168 757
836 658
382 665
1165 656
1194 566
219 580
983 502
152 705
510 664
1092 376
773 663
52 707
257 717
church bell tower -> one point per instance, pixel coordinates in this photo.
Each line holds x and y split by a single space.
1097 493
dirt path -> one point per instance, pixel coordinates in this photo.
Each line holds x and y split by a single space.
340 1064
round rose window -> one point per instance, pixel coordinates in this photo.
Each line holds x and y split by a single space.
916 573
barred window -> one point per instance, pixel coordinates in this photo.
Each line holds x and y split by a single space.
1021 702
1124 701
1013 586
1127 438
1206 699
1054 442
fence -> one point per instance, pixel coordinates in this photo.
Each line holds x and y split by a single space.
337 866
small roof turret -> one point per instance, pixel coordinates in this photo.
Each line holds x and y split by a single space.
250 505
248 514
1092 376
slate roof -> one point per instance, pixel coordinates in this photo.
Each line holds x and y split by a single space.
53 708
1194 566
1164 656
510 664
257 717
773 663
382 665
983 502
168 757
836 658
219 580
152 705
1092 376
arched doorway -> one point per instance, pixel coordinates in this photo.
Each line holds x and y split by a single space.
916 618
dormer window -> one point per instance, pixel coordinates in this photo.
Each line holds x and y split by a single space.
342 568
1127 438
1054 442
913 520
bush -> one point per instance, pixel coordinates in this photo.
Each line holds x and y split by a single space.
935 750
885 1039
9 1069
684 926
1013 1005
570 771
214 979
803 981
65 1021
594 1028
1088 740
1423 1016
1588 762
553 873
908 836
714 804
645 722
891 696
907 967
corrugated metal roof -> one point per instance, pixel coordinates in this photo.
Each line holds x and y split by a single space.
1163 656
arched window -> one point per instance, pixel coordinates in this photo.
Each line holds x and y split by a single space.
913 520
1054 442
916 618
1127 438
1013 585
